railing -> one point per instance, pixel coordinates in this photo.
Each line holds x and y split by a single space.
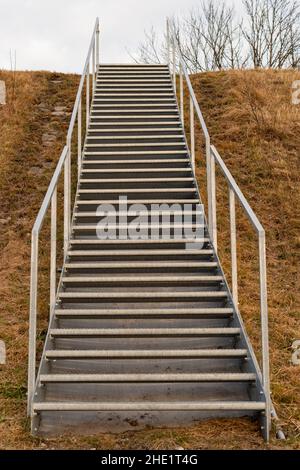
63 166
176 62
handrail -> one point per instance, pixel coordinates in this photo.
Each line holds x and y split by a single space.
51 188
212 157
234 190
63 166
81 83
233 185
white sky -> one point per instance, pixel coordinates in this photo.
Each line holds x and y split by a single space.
55 34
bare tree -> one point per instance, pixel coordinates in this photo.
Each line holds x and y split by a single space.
211 38
149 51
273 33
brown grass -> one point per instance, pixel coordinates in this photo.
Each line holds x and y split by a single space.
257 132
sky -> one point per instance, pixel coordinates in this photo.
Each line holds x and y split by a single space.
55 34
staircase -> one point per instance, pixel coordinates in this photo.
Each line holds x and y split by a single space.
143 331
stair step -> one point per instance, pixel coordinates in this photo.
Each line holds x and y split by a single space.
142 264
134 116
132 80
144 295
181 179
167 89
117 253
147 313
133 213
95 127
134 162
141 129
151 406
135 74
137 191
91 202
135 105
93 227
137 170
144 279
145 378
136 152
138 242
143 332
147 354
147 144
99 96
144 137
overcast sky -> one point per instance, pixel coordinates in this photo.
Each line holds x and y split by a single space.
54 34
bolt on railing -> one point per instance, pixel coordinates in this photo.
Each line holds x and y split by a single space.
50 200
212 158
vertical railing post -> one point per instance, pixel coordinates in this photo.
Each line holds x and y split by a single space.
32 319
53 250
208 181
181 95
213 202
192 132
234 269
174 67
97 46
79 135
87 96
168 43
66 203
264 326
93 68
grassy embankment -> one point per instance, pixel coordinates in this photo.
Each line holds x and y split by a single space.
257 131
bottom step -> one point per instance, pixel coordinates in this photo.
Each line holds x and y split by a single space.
151 406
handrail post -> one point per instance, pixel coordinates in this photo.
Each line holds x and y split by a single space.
212 196
87 96
79 135
97 46
53 250
192 132
93 68
234 269
208 182
181 96
264 326
168 43
32 319
174 68
66 203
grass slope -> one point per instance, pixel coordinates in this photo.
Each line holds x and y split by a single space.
256 129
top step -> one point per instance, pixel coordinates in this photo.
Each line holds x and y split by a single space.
133 66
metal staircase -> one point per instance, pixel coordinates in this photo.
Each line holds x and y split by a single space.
142 330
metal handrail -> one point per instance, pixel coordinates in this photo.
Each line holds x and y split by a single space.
213 157
50 199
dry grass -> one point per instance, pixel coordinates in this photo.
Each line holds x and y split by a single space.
257 131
